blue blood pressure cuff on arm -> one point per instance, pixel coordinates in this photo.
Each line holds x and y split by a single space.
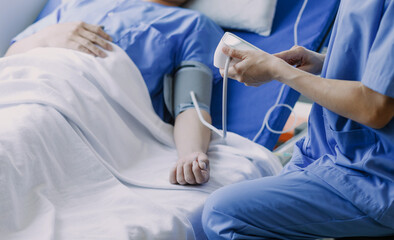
189 76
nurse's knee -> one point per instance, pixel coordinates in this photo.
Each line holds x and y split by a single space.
240 210
216 216
226 213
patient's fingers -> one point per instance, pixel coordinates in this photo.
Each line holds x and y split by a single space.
197 173
191 169
202 173
203 161
78 46
90 46
179 174
173 175
94 38
98 30
188 173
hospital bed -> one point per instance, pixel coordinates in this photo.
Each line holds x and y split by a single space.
109 204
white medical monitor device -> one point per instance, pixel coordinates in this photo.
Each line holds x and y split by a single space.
220 60
233 41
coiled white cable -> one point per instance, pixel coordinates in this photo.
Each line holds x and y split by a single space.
271 109
223 134
268 114
295 33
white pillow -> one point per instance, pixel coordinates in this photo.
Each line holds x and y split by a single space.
250 15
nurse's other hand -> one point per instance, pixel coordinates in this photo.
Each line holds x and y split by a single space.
254 67
191 169
303 59
79 36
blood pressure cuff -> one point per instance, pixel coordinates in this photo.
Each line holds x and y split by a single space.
189 76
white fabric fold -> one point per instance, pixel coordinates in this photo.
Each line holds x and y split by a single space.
84 156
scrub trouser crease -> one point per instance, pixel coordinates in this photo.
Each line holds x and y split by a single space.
294 205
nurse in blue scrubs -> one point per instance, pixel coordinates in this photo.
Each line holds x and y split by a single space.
158 36
340 181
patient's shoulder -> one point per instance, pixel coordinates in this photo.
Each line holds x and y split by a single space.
198 19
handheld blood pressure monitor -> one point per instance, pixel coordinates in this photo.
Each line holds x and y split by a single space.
220 60
232 41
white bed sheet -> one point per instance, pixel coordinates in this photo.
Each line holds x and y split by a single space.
84 156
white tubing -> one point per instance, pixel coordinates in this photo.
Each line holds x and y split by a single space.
268 114
224 101
298 21
202 120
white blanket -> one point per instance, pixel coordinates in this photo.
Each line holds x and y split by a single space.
84 156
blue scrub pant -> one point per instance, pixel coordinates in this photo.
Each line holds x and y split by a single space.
294 205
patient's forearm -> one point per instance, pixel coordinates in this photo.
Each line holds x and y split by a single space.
25 45
192 140
190 134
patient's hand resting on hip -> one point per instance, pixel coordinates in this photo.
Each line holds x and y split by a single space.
79 36
191 169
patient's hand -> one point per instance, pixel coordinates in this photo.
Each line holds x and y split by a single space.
303 59
191 169
78 36
73 35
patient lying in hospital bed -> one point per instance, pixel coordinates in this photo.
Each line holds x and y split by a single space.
152 34
84 150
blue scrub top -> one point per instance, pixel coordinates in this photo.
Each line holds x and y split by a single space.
156 37
356 160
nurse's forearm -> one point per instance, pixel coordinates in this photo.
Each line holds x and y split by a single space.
190 134
350 99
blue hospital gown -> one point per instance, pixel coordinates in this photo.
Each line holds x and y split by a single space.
156 37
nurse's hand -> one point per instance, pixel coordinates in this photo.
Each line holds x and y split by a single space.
255 67
191 169
79 36
303 59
